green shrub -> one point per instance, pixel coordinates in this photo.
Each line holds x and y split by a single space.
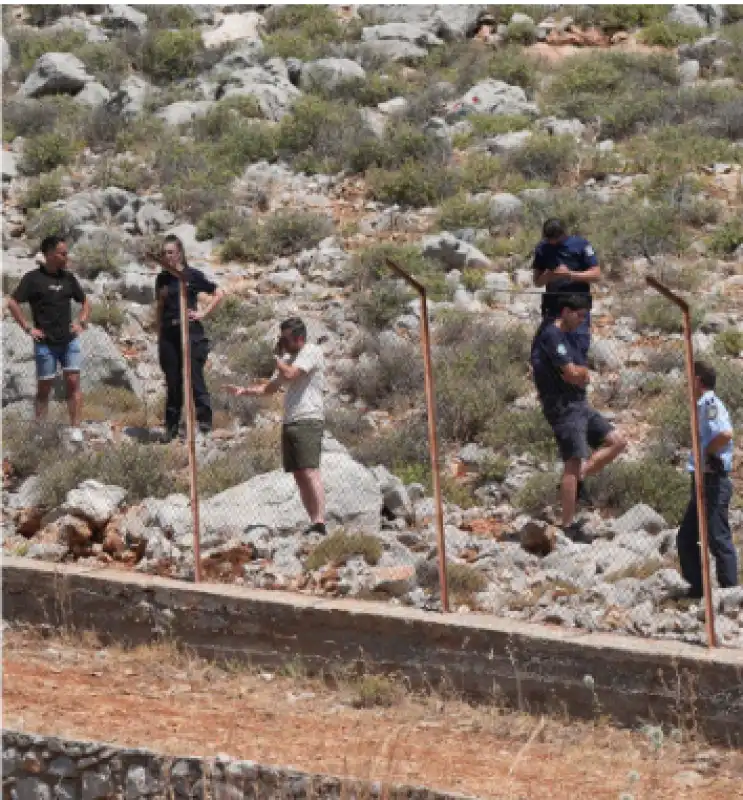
341 546
348 425
541 490
46 151
142 470
622 89
668 34
728 237
302 31
254 358
396 447
168 16
226 116
233 313
729 342
259 454
624 484
473 279
545 157
107 61
217 224
395 375
27 46
108 314
521 33
42 190
94 257
659 314
413 184
613 18
512 65
486 125
48 222
479 358
171 55
516 432
480 172
322 135
127 173
460 212
281 234
28 445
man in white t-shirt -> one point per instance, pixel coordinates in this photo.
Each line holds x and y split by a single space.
300 369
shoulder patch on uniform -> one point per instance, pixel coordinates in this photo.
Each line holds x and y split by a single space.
562 350
589 251
712 411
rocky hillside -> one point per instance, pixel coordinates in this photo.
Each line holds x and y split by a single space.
293 149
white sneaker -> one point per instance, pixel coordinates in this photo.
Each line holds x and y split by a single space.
76 436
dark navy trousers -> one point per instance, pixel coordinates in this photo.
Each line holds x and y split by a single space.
718 490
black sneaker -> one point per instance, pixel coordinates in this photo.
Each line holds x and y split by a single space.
317 527
575 533
170 434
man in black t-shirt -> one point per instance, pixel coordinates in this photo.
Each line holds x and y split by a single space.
561 377
49 290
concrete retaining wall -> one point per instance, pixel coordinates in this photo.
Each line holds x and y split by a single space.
533 667
45 767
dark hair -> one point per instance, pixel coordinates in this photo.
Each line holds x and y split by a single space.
295 326
171 238
553 229
573 302
49 243
706 374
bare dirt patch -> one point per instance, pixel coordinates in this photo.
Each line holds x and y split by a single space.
158 698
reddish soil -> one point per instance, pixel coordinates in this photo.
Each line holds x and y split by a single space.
157 698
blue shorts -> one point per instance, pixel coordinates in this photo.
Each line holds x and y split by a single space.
69 356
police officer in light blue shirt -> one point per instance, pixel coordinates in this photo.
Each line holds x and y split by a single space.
716 442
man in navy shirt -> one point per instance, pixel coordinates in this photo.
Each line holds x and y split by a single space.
716 440
561 377
565 265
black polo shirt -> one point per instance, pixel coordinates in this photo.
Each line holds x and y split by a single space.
49 295
552 350
574 252
167 284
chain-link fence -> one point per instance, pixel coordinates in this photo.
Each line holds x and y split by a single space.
509 549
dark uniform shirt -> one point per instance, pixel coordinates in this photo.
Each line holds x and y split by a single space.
552 350
49 295
576 254
197 283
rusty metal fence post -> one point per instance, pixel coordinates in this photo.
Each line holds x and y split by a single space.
433 443
697 453
190 423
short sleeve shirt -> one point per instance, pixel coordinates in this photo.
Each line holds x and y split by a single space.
304 395
167 284
50 294
551 351
713 420
577 254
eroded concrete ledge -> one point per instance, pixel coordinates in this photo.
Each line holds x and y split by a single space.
47 766
534 667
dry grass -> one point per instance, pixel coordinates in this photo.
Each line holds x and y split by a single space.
174 702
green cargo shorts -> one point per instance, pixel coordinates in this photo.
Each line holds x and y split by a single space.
301 443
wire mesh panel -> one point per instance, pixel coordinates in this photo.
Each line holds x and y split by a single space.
509 549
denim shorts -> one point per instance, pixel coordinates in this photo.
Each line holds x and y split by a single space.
69 356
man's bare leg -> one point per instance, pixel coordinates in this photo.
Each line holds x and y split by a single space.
569 490
613 446
312 493
74 398
43 390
